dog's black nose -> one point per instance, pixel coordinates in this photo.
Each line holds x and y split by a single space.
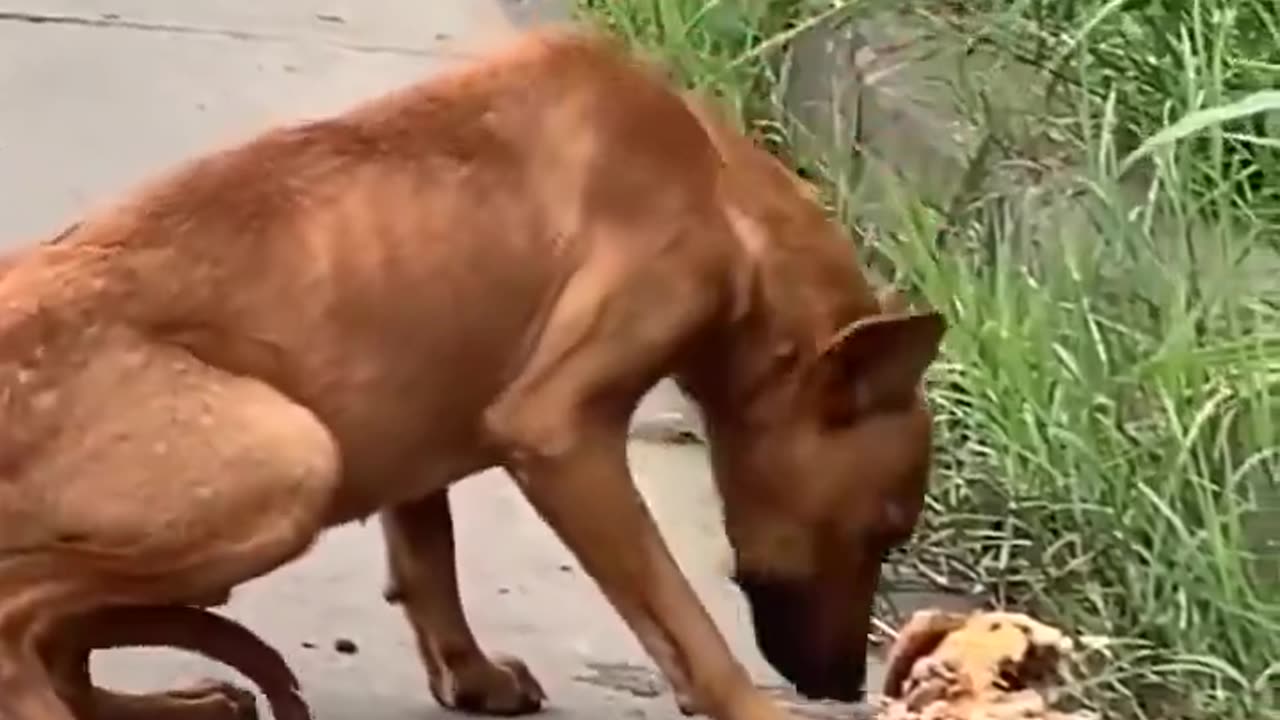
843 683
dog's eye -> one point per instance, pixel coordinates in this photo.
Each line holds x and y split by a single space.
894 550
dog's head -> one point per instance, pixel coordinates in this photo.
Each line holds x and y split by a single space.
820 441
823 475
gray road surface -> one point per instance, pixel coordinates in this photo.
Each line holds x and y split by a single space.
97 94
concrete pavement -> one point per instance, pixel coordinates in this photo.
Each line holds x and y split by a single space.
96 95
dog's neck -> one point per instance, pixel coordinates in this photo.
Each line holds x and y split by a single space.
796 282
796 285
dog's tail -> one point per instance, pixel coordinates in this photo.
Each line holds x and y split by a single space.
203 632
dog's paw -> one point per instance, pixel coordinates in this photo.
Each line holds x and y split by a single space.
503 686
209 700
214 700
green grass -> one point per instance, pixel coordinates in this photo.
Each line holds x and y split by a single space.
1108 402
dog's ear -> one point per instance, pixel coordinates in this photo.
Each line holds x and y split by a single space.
878 359
920 636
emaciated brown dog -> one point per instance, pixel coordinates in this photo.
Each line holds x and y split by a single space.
342 317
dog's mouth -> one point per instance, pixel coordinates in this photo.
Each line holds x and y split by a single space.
789 634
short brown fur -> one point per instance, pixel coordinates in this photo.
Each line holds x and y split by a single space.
489 268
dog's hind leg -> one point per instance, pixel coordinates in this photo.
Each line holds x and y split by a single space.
420 550
189 628
209 701
26 692
169 480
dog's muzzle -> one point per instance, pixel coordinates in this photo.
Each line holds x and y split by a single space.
788 632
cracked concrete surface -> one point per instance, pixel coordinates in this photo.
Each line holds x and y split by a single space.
98 94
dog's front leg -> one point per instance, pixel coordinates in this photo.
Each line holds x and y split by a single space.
588 498
562 425
424 581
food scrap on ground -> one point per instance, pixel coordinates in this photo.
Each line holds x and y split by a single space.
941 666
978 666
